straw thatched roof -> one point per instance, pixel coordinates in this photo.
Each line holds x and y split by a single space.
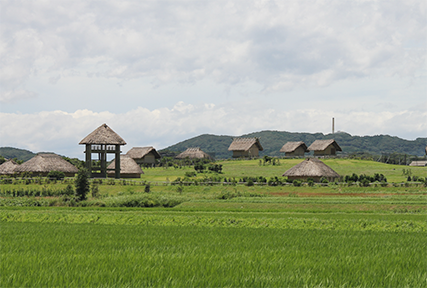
103 135
244 144
44 163
192 153
8 167
140 152
128 167
320 145
421 163
311 168
292 146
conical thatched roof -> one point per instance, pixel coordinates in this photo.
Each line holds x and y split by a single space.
44 163
8 167
195 152
140 152
244 144
128 167
320 145
292 146
311 167
103 135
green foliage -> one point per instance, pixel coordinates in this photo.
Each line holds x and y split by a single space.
147 188
94 188
58 175
82 184
296 183
19 154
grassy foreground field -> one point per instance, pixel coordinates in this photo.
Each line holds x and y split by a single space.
221 235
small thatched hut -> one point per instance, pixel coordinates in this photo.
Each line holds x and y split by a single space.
42 164
102 141
324 147
311 168
420 163
294 148
194 153
128 168
144 155
8 167
245 147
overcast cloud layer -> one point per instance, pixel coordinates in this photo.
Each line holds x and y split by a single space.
159 72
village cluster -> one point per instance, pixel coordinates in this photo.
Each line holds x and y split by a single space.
104 140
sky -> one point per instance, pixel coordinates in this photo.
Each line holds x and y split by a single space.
161 72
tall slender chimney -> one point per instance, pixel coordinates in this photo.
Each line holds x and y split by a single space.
333 125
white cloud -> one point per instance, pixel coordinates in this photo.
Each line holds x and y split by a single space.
277 44
61 132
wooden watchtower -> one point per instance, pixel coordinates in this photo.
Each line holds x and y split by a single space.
102 141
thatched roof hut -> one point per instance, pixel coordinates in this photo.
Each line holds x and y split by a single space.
294 148
245 147
8 167
194 153
311 168
143 155
128 168
102 141
324 147
420 163
103 135
42 164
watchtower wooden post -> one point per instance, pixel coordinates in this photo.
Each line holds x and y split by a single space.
102 141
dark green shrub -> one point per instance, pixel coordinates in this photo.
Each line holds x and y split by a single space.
147 188
190 174
82 184
57 175
296 183
310 183
250 183
94 189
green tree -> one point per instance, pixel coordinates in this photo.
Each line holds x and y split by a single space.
82 184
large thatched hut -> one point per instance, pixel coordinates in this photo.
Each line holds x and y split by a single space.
144 155
102 141
324 147
8 167
42 164
294 148
245 147
128 168
194 153
311 168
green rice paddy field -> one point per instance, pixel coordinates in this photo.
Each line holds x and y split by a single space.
263 236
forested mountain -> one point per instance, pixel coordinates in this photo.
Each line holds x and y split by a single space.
272 141
20 154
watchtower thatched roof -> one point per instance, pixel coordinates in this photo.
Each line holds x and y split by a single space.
8 167
128 167
292 146
140 152
194 153
244 144
311 168
43 163
103 135
320 145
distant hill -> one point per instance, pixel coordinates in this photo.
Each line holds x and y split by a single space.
20 154
272 141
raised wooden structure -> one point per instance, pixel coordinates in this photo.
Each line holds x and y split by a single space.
144 155
324 147
102 141
294 148
245 147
